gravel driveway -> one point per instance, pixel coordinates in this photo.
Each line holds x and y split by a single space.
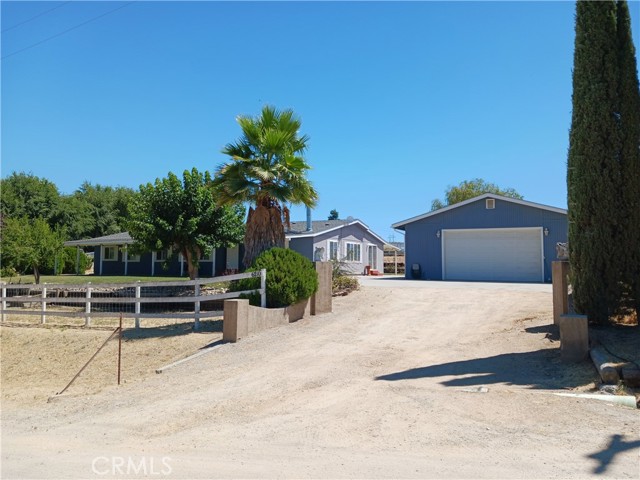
404 380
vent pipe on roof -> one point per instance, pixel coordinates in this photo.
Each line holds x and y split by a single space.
309 227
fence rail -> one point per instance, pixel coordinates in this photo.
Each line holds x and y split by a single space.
107 300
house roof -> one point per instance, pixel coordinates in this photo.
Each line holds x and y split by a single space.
299 229
400 225
122 238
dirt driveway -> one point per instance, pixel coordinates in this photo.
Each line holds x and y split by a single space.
385 387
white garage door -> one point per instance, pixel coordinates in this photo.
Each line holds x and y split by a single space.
496 254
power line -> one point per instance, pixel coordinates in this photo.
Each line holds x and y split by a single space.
67 30
37 16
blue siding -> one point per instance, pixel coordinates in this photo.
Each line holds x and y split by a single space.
143 267
425 248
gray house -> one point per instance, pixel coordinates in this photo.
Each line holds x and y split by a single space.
111 257
349 241
486 238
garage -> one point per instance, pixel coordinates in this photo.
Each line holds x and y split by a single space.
496 254
488 238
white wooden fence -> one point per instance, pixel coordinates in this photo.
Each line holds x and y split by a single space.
106 305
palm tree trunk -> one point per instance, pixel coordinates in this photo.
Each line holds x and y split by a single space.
264 231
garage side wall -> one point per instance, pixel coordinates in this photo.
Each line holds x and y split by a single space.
423 246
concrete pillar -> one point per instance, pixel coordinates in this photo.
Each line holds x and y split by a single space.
574 337
321 300
560 273
235 323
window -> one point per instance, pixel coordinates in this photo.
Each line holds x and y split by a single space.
110 254
490 203
333 250
353 252
132 257
208 257
373 256
233 258
162 255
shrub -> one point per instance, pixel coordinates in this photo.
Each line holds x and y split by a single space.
291 278
342 283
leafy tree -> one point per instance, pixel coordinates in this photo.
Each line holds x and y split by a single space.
593 169
268 169
30 244
108 207
469 189
333 215
629 109
183 217
25 195
76 216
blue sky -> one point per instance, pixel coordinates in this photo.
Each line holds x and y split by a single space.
400 99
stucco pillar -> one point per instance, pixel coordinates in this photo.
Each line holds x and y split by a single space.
321 300
560 274
235 323
574 337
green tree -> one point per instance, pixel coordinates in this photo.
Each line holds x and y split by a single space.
108 208
183 217
30 245
629 108
268 170
469 189
593 170
333 215
25 195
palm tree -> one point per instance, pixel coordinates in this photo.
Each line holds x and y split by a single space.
267 169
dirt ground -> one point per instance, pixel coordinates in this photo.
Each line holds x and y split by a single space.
387 386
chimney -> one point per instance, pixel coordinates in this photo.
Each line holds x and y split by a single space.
309 227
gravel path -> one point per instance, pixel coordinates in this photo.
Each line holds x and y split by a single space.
388 386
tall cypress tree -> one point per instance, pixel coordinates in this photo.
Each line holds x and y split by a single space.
593 171
629 111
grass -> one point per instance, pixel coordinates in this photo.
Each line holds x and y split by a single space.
80 279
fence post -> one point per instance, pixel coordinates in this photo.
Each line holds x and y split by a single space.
263 288
196 325
4 299
138 305
560 271
87 309
44 305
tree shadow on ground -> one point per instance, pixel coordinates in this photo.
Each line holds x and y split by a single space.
541 369
616 445
185 328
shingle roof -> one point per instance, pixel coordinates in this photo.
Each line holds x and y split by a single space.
317 226
299 229
122 238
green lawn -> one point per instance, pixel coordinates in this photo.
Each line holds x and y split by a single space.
95 279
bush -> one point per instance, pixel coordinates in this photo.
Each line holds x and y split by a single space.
291 278
342 283
69 261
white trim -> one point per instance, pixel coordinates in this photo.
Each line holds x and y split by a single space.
475 199
346 251
506 229
104 250
291 235
337 242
